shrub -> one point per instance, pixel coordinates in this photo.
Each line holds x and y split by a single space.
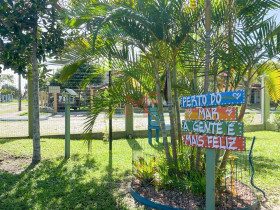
248 119
197 181
276 121
170 176
144 171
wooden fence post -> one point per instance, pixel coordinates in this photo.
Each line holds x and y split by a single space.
265 104
91 97
129 120
55 102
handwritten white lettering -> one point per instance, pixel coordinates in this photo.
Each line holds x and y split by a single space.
230 129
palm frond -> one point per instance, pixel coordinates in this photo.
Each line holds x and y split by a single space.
272 80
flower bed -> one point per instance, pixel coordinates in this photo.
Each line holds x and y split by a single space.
242 198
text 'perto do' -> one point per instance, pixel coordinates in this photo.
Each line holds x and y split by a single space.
214 99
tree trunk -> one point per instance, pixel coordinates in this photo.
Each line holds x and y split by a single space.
171 114
110 113
230 41
195 81
177 106
161 117
30 102
207 65
19 92
215 83
192 155
244 106
36 123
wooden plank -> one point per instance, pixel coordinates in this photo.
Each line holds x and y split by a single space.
216 142
214 99
217 113
213 127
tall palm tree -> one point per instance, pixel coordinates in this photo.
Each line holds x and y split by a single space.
251 46
158 42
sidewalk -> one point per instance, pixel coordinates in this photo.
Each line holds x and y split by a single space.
15 116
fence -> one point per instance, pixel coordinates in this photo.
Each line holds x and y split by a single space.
14 123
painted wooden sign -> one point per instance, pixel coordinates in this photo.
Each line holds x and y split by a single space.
215 142
217 113
214 99
213 127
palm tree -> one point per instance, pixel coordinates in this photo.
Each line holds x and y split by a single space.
167 49
251 47
158 42
272 80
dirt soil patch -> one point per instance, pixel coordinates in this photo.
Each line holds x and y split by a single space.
242 197
13 165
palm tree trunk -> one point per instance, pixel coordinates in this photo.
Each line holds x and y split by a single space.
215 83
195 81
36 124
207 64
192 155
171 114
161 117
230 41
244 106
177 106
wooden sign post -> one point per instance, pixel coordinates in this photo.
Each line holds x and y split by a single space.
213 128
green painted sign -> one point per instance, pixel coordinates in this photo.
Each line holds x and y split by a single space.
213 127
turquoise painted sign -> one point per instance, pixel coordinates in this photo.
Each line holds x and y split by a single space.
213 127
214 99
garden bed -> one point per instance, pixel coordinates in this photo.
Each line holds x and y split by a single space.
244 197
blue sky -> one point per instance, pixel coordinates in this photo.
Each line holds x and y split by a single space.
276 13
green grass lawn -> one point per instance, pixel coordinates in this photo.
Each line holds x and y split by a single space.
266 158
99 180
84 181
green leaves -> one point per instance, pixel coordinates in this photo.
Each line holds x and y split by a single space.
68 70
272 80
17 21
10 2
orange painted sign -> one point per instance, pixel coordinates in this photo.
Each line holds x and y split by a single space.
215 142
217 113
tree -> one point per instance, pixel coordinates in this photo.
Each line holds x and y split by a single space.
272 80
29 32
149 42
85 75
10 89
252 45
157 42
6 78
